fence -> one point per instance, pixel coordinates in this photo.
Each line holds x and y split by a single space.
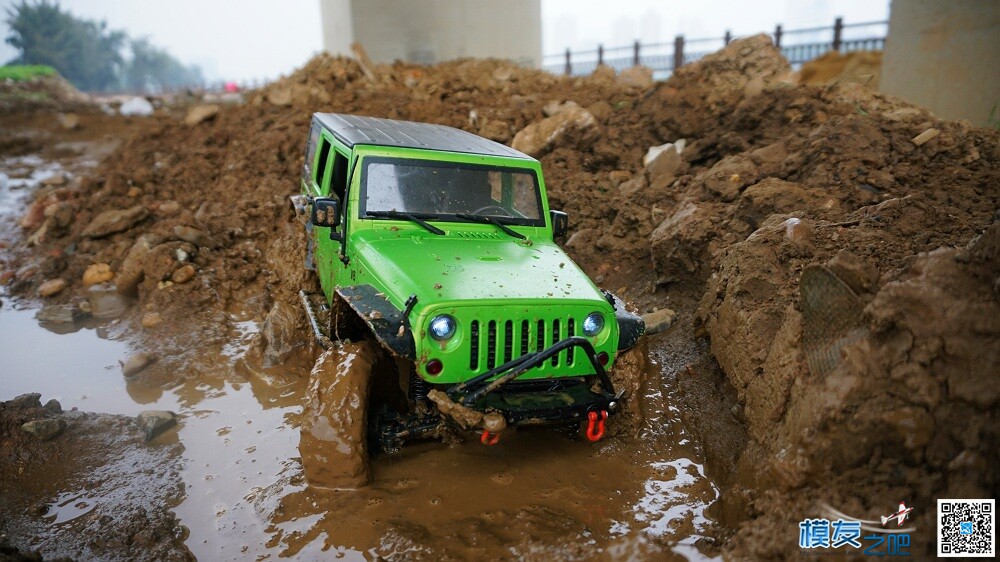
663 58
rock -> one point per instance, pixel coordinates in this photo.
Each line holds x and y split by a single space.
201 113
654 151
97 273
662 170
53 407
573 125
68 121
637 77
503 73
280 96
51 287
496 130
281 333
926 136
44 430
168 208
7 276
155 422
110 222
60 314
27 271
57 180
136 106
618 177
106 302
136 363
659 321
183 274
553 107
151 319
197 237
164 259
24 401
769 158
730 175
634 185
131 272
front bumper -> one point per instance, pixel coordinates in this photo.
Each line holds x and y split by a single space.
539 401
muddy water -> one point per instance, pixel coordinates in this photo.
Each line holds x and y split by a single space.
538 491
538 494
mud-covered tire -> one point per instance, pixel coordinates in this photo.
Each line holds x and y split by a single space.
333 440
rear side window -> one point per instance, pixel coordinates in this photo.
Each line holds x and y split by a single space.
321 163
311 149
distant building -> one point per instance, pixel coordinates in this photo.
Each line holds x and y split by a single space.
430 31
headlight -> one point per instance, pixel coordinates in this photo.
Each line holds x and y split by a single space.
442 327
593 324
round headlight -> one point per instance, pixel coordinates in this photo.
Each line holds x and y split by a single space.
593 324
442 327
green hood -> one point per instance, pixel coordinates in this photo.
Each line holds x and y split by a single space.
471 266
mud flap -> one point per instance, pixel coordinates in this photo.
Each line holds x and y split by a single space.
387 322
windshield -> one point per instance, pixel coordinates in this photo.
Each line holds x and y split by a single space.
437 190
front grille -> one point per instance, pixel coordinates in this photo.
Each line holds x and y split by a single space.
504 340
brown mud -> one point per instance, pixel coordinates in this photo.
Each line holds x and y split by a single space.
871 382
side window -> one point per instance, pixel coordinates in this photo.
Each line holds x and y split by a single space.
338 183
310 152
324 154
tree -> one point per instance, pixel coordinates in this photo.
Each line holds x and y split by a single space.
85 52
153 69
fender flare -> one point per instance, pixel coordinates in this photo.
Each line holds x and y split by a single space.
631 326
387 322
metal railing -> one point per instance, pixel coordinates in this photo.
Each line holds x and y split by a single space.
664 58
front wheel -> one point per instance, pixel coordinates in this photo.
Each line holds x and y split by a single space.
333 438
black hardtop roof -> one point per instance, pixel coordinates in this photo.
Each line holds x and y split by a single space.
356 129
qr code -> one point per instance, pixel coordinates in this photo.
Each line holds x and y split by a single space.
966 528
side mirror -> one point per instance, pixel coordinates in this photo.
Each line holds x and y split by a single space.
325 212
560 223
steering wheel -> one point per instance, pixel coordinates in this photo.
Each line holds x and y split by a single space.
503 212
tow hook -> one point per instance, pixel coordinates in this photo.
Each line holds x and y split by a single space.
595 425
490 439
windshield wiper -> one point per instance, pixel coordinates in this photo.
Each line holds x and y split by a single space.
408 216
493 221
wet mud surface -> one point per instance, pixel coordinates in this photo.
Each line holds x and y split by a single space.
831 254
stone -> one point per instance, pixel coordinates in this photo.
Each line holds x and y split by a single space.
151 319
601 110
730 175
27 271
194 236
280 333
44 430
131 272
51 287
618 177
168 208
662 170
770 157
57 180
68 121
201 113
60 314
281 96
163 260
97 273
118 220
926 136
183 274
634 185
572 125
136 106
154 422
106 302
654 151
53 407
24 401
658 321
136 363
636 77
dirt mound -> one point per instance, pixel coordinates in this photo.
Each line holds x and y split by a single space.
786 201
861 67
40 93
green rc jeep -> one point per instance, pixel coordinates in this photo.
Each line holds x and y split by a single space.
439 245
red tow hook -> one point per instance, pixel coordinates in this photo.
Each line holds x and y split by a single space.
490 439
595 425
